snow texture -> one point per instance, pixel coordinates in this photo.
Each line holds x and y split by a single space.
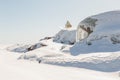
66 36
20 69
93 54
24 48
105 36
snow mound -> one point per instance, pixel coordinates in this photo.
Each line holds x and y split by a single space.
106 62
24 48
65 37
18 48
104 34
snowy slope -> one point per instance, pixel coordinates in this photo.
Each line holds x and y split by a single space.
105 36
107 25
106 62
14 69
105 22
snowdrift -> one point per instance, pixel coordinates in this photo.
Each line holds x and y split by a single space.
104 34
65 37
24 48
105 62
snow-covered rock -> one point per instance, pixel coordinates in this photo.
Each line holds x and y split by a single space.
24 48
103 34
65 36
21 48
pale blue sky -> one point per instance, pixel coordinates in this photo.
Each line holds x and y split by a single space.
30 20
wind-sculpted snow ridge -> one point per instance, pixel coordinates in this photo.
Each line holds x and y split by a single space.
65 37
106 62
21 48
25 48
104 35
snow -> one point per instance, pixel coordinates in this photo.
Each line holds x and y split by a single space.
106 62
108 23
104 21
65 36
15 69
92 57
23 48
105 36
18 48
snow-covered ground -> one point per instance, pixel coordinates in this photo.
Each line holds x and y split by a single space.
106 62
54 58
13 68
